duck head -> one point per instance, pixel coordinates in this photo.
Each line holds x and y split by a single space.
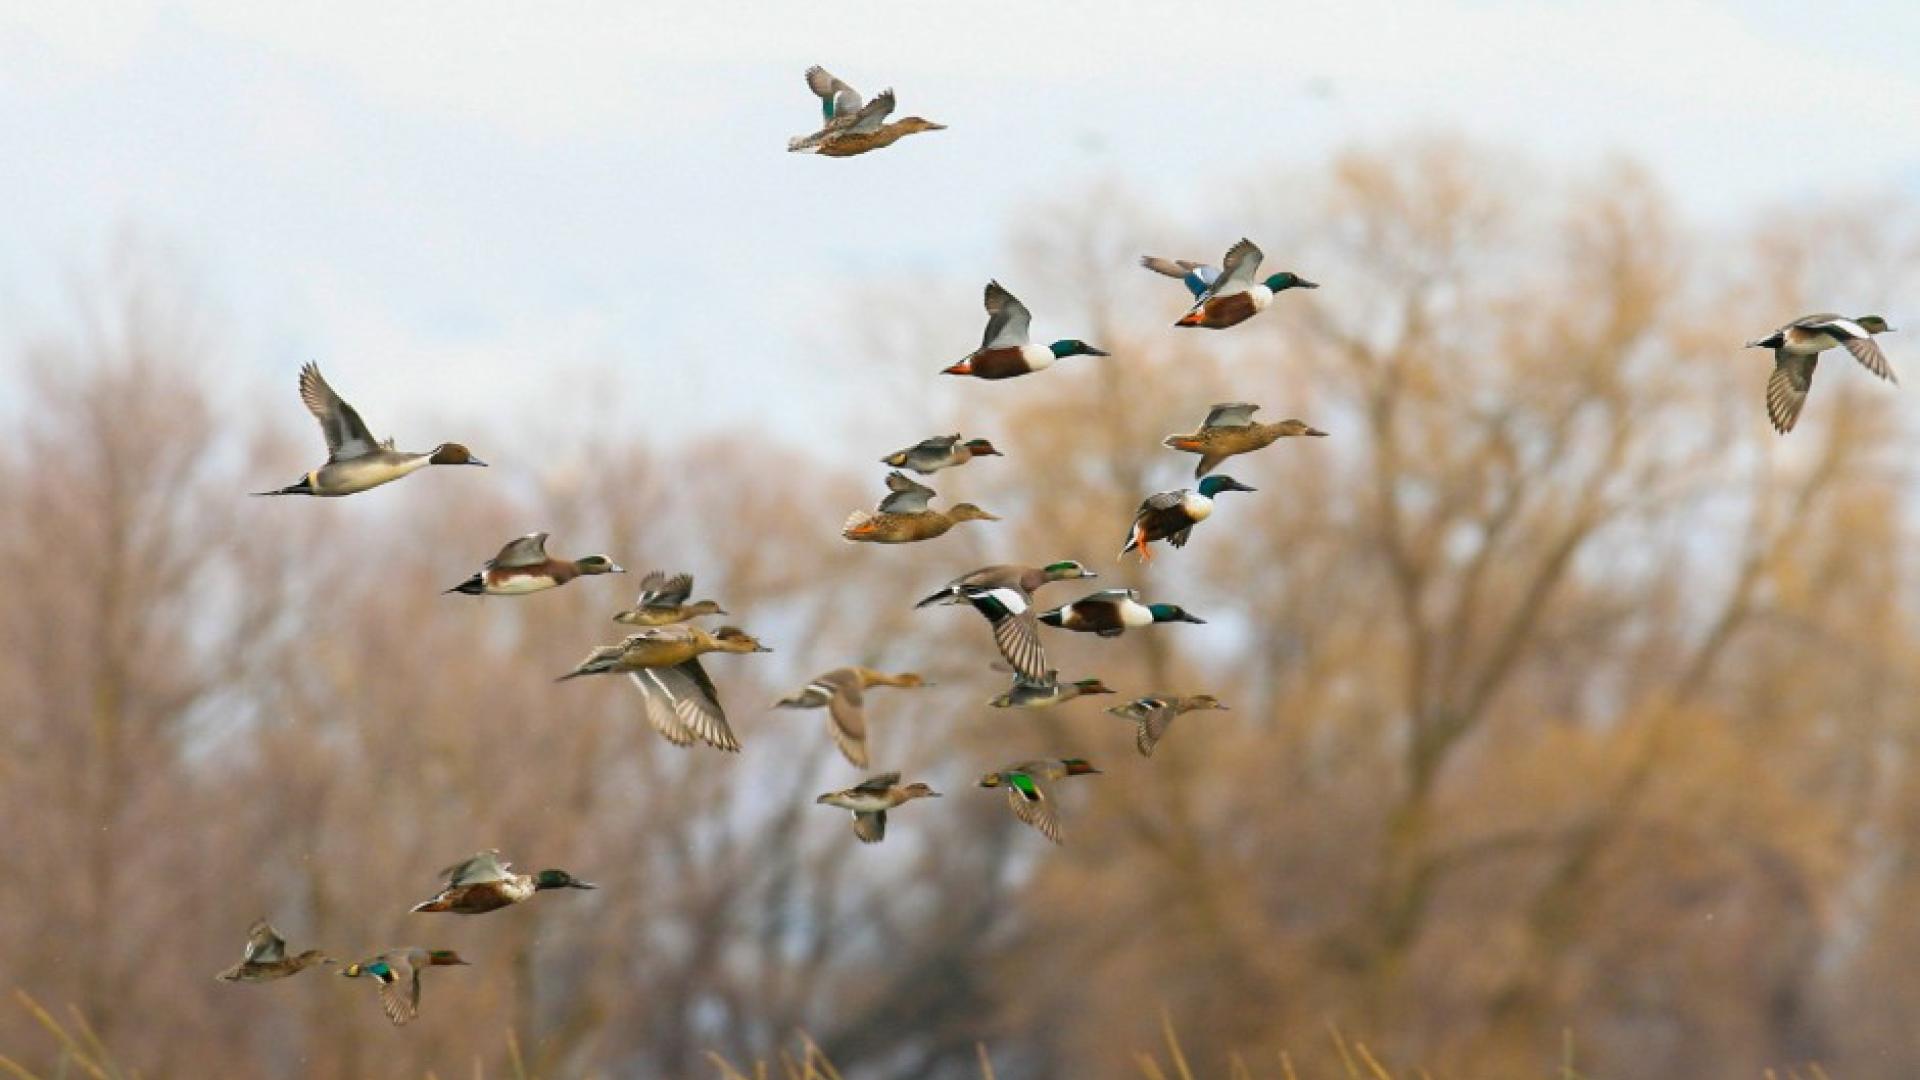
981 448
598 564
1299 427
1066 570
1206 701
1874 324
1078 766
917 790
1214 485
559 879
445 958
970 512
1173 613
1092 686
734 639
1287 279
452 453
1074 347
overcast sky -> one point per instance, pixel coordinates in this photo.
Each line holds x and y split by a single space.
420 197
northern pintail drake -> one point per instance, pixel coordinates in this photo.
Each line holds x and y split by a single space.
398 973
842 692
1007 349
1003 595
356 460
664 663
663 600
1171 515
929 456
1045 693
850 126
1796 351
481 883
903 516
524 567
1230 429
1153 715
1233 294
1112 612
870 800
1027 793
266 957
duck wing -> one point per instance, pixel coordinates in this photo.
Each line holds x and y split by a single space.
870 825
847 716
906 495
1231 414
1008 320
1238 269
476 869
659 590
1009 611
529 550
683 705
264 945
346 434
399 988
1787 388
837 99
1030 804
869 117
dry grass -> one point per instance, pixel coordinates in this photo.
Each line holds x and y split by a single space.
82 1054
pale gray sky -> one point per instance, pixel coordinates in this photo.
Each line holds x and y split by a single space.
422 196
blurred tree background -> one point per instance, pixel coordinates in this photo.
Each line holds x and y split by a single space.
1566 696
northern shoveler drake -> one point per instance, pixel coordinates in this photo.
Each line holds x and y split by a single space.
1007 349
1004 596
1027 793
1112 612
523 567
1229 429
1153 715
903 516
1045 693
1234 293
1796 350
481 883
940 452
842 692
266 957
1171 515
870 800
663 600
850 126
398 972
664 662
356 460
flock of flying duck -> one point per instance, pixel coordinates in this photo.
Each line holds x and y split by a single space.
662 659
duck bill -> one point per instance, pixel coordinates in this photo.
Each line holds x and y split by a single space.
1303 283
1195 619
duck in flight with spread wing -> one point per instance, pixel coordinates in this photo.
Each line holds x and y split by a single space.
1007 349
1027 791
664 663
1003 595
1230 429
523 566
871 799
483 882
356 460
903 516
1232 294
664 600
1796 352
266 957
398 973
850 126
842 692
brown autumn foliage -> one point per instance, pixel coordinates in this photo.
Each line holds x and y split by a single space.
1566 696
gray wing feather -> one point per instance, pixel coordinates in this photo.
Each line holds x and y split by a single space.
1008 320
1231 414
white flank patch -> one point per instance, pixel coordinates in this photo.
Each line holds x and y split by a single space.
1010 599
1037 357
